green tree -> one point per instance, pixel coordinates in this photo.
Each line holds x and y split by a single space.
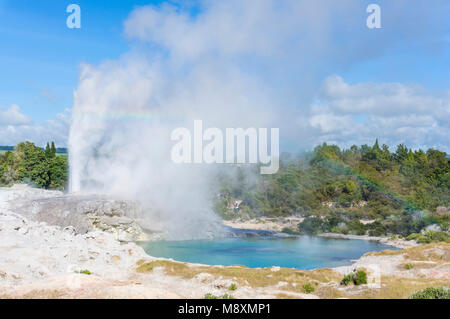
53 150
48 151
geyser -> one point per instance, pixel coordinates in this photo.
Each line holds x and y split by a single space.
120 145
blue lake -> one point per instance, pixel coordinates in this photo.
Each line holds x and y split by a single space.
293 252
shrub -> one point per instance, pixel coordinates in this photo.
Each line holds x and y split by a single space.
409 266
311 226
233 287
308 288
360 278
84 272
289 231
377 231
432 293
431 237
347 279
414 236
211 296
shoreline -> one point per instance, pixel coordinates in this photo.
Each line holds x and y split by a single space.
277 224
398 243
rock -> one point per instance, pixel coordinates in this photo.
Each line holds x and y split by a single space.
442 210
82 213
44 250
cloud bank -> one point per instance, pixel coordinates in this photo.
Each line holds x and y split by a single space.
393 112
16 127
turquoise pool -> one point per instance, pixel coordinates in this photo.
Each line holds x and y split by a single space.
266 251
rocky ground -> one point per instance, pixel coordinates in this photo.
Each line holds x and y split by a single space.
265 223
43 260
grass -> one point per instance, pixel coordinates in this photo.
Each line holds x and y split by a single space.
429 252
253 277
211 296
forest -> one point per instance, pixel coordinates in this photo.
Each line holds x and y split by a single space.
28 163
360 190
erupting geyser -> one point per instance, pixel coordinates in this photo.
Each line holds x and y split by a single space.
120 145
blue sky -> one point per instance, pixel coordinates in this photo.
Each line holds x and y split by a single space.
40 57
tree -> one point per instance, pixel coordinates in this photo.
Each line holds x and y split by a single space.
48 152
53 150
401 153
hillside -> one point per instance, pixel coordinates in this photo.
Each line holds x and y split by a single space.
359 190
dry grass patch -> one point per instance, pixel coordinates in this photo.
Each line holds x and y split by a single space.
401 288
430 252
253 277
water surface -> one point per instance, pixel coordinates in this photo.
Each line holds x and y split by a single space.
294 252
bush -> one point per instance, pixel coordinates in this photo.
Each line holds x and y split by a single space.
432 293
311 226
84 272
289 231
211 296
358 278
409 266
431 237
308 288
377 231
347 279
414 236
361 278
438 236
233 287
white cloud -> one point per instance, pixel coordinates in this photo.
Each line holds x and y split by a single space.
16 127
13 116
394 112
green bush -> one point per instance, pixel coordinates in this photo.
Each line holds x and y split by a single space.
347 279
289 231
308 288
311 226
377 231
360 278
409 266
414 236
211 296
431 237
84 272
432 293
233 287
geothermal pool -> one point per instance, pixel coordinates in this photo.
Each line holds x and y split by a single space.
293 252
